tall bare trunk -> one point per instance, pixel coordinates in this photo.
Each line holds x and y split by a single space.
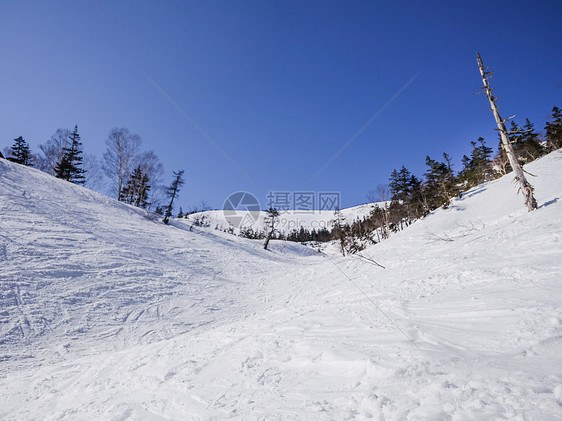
524 186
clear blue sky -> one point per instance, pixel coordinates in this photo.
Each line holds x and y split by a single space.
280 85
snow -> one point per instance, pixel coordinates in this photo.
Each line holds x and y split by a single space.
106 313
289 220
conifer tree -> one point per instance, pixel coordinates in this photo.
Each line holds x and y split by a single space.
407 193
554 130
21 154
70 166
440 186
400 184
478 168
173 192
532 146
525 143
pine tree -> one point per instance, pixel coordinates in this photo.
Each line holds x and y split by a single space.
70 166
478 168
554 130
407 193
440 186
400 184
21 154
525 143
532 146
173 192
416 202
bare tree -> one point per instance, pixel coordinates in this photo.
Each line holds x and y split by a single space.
372 196
53 151
524 186
383 193
94 178
204 206
338 229
119 157
151 166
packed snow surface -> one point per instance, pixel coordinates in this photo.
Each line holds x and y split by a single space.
106 313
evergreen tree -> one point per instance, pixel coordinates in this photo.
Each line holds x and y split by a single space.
21 154
173 192
525 142
554 130
70 166
407 192
478 168
400 184
532 147
440 186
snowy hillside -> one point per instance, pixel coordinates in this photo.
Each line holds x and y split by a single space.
108 314
288 220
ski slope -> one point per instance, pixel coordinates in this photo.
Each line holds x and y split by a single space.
106 313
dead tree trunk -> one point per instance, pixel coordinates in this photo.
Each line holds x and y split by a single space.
524 186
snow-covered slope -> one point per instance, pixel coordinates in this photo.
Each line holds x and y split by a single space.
288 220
107 314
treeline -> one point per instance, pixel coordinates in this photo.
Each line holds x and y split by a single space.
408 197
133 176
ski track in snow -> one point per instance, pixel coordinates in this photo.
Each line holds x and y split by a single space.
107 314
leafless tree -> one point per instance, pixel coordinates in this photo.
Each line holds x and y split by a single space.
380 194
94 177
204 206
338 230
383 193
119 157
524 186
53 151
151 166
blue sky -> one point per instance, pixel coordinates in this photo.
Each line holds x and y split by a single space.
280 86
